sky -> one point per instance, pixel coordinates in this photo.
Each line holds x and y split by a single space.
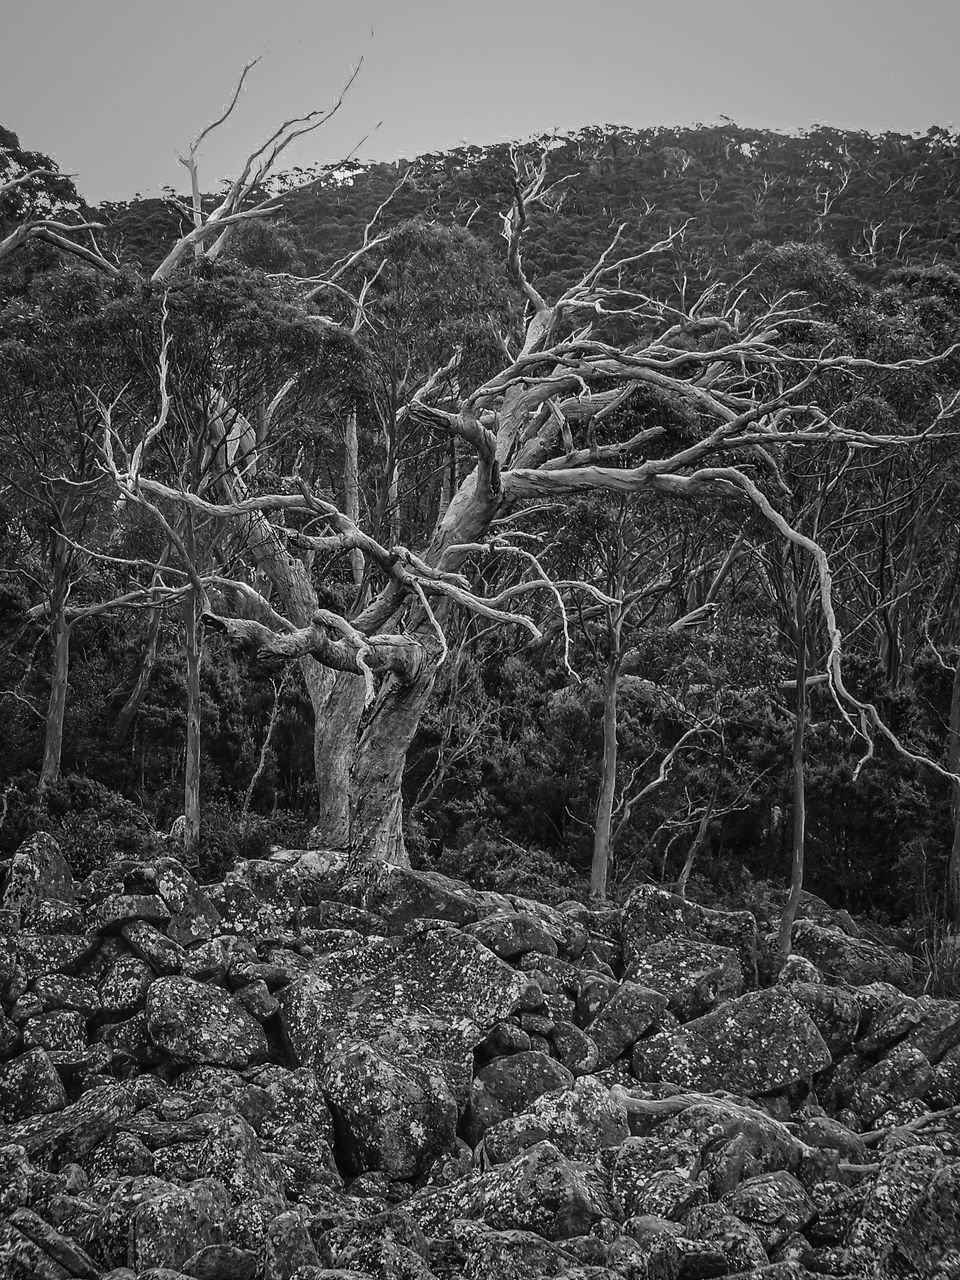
114 90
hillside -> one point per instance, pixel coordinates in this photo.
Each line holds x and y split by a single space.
295 1075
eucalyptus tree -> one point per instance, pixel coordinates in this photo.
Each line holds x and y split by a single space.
541 425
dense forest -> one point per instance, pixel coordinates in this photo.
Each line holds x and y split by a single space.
564 516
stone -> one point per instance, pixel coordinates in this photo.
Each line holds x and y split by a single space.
513 933
392 1115
57 953
900 1186
58 991
171 1226
124 985
29 1086
400 895
118 909
579 1122
70 1134
694 976
39 873
62 1033
518 1080
194 918
194 1023
287 1245
834 1011
651 1175
847 959
630 1011
739 1243
757 1044
442 988
221 1262
928 1243
903 1075
651 914
161 953
541 1191
60 1250
574 1048
774 1204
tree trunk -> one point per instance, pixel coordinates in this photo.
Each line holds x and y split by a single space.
602 834
57 702
799 791
377 827
335 746
148 659
191 771
953 764
351 491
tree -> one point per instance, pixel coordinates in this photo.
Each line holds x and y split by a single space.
743 395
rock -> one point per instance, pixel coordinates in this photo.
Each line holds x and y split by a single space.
39 873
574 1048
72 1133
194 918
161 953
513 933
62 1033
739 1243
194 1023
928 1243
834 1011
57 991
118 909
578 1121
694 976
400 895
900 1186
124 985
903 1075
389 1114
30 1086
757 1044
650 1176
651 914
58 1249
172 1225
287 1246
775 1205
518 1080
630 1011
221 1262
502 1038
515 1255
847 959
539 1191
41 953
443 987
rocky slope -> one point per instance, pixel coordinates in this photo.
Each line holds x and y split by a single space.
292 1075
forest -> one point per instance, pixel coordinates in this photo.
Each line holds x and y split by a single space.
563 516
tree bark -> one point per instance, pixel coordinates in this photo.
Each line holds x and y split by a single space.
799 787
600 865
57 703
148 659
191 770
953 764
351 491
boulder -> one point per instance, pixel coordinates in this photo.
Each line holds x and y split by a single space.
390 1114
843 958
578 1121
442 987
541 1191
39 873
194 1023
509 934
774 1205
631 1010
30 1086
757 1044
651 914
694 976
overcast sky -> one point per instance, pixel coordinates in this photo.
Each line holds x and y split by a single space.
113 89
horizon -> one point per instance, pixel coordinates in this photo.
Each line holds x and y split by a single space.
441 76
